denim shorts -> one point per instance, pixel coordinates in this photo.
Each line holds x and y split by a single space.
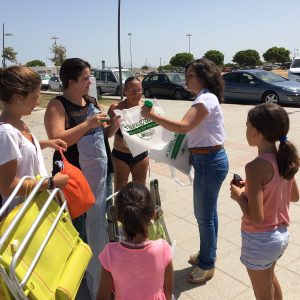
260 250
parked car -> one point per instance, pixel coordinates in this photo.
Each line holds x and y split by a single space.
107 80
55 84
294 71
45 82
260 86
166 85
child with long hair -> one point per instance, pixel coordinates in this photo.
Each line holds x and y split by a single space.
136 267
20 153
265 196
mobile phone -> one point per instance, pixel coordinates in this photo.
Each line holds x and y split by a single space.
236 180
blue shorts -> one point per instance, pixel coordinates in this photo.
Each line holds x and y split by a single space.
260 250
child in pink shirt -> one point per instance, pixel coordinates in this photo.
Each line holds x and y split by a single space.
265 197
136 268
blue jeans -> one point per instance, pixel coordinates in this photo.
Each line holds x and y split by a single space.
210 172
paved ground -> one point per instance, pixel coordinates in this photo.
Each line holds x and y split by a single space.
231 279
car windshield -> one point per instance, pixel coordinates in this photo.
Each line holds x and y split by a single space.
269 76
176 77
296 63
125 75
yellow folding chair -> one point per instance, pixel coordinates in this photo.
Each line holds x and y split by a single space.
41 254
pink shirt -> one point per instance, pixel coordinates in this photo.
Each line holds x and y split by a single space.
276 200
137 273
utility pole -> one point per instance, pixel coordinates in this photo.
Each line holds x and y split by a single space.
130 34
55 57
3 47
189 36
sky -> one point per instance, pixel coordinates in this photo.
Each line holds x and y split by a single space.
89 28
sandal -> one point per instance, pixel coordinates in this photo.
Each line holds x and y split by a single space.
199 275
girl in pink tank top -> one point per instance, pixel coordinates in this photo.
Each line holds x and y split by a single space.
265 195
136 268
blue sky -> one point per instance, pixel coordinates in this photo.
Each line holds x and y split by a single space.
88 28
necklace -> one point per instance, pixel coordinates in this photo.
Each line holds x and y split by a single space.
134 245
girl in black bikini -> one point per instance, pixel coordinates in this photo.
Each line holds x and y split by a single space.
124 162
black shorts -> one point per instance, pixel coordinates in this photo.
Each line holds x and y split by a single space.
128 158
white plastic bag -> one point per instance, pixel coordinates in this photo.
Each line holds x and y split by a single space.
176 154
142 134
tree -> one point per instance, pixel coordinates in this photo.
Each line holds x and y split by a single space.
145 68
247 58
59 54
10 54
181 59
216 56
167 68
35 63
276 54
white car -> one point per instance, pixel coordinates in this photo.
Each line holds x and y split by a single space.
45 82
55 84
294 71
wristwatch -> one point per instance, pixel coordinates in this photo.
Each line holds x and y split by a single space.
50 185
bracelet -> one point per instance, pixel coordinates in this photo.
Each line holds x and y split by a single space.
50 185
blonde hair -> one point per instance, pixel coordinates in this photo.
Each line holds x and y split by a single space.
17 80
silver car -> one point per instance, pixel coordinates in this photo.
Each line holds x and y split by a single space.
55 84
294 71
260 86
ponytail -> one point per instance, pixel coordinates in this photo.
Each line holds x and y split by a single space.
135 209
287 159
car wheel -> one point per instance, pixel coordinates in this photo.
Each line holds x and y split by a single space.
270 97
147 93
118 91
178 95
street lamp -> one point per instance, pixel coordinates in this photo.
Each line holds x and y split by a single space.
55 38
130 34
3 47
189 36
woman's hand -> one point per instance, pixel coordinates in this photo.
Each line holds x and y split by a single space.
60 180
146 112
97 120
56 144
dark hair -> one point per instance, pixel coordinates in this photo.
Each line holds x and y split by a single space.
17 80
134 209
129 80
272 121
71 69
210 76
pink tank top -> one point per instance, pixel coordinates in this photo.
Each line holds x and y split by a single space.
276 200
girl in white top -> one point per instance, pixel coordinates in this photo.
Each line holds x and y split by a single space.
20 151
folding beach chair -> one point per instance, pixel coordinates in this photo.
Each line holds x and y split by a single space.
156 230
41 254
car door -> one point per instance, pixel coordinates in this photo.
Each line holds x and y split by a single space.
165 86
102 81
231 86
153 85
111 83
249 88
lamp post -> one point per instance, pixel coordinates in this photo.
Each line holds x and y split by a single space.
3 47
119 49
130 34
55 38
189 36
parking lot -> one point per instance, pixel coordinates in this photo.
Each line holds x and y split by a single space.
231 280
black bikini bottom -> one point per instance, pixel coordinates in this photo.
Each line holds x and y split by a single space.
128 158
